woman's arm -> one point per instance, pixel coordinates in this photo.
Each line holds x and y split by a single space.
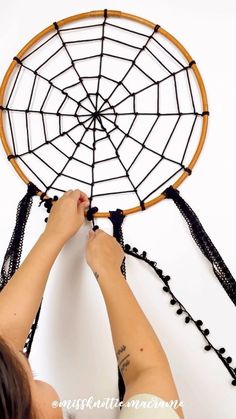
21 297
140 356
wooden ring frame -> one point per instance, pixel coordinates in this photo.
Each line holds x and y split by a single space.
114 13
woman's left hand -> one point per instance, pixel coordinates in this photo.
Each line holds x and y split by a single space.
67 215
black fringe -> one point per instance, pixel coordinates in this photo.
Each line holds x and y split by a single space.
204 243
13 254
117 218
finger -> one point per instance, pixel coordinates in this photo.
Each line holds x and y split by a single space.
83 197
82 206
76 195
99 231
91 234
66 193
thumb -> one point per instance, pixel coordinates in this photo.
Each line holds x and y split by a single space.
82 206
91 234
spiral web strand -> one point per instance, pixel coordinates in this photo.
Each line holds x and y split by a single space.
98 112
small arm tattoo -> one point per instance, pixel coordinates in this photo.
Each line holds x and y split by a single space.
124 366
125 361
120 350
96 275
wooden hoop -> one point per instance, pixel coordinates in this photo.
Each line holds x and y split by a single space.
114 13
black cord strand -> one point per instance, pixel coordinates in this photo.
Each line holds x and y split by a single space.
13 254
12 257
204 243
117 218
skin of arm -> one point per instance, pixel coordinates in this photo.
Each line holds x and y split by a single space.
140 356
21 297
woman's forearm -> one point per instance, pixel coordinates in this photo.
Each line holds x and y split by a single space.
136 344
21 297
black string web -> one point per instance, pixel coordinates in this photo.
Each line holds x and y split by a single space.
108 106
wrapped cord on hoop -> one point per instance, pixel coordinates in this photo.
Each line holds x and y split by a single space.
117 218
204 243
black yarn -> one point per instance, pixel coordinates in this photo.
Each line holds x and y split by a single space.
204 243
182 311
117 218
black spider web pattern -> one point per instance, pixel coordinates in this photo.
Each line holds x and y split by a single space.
97 116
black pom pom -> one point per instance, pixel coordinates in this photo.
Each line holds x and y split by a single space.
46 220
179 311
127 247
144 254
95 228
207 348
234 383
229 359
159 272
166 289
167 278
199 322
206 332
48 203
172 302
135 250
187 319
55 198
152 263
222 350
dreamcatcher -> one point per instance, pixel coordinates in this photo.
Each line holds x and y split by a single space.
112 104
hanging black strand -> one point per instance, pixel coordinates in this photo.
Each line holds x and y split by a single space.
204 243
117 218
48 202
181 310
13 254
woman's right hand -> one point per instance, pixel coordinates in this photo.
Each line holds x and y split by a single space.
103 253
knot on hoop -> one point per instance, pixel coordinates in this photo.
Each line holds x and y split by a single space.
10 156
171 192
91 212
55 24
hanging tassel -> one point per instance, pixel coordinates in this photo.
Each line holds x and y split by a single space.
13 254
204 243
117 218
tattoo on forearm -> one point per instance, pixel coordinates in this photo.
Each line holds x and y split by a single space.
124 366
122 349
125 361
96 275
127 356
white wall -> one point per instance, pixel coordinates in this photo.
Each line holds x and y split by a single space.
73 348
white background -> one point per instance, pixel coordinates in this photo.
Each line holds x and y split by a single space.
73 349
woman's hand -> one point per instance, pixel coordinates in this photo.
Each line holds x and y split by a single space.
67 215
103 253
